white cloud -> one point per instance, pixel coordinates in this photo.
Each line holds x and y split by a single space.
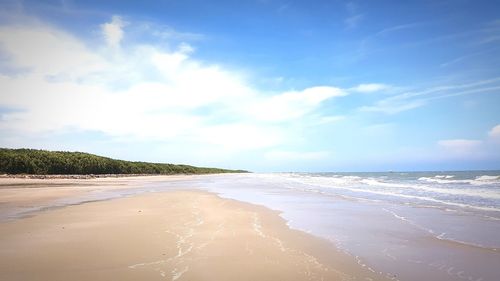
487 148
113 31
141 92
388 106
291 105
460 145
369 88
494 133
461 148
47 51
241 136
330 119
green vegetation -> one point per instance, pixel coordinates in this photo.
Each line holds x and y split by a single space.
42 162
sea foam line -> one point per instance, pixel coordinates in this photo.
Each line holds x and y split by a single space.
493 209
483 193
441 236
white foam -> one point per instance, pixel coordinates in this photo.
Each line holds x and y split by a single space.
480 180
403 190
444 176
256 225
404 219
443 180
375 182
320 181
476 192
488 178
176 274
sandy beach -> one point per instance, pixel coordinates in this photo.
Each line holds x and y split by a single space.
177 235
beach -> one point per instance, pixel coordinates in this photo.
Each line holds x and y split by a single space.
167 235
291 226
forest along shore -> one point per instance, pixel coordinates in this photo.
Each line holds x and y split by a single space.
89 176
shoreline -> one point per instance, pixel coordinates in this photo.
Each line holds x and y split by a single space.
184 235
97 176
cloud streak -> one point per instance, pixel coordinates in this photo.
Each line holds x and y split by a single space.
411 100
354 18
370 88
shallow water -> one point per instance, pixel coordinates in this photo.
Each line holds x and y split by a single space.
403 226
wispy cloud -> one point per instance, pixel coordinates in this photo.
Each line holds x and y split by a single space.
475 37
411 100
395 28
366 44
353 21
488 40
354 16
490 33
165 32
290 105
458 59
392 107
370 88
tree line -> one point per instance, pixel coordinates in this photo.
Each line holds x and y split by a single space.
43 162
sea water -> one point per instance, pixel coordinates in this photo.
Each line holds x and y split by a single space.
404 226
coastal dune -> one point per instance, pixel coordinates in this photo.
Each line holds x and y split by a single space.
178 235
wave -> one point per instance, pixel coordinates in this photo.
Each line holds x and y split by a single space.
444 176
358 184
375 182
479 180
441 180
423 198
483 193
350 180
488 178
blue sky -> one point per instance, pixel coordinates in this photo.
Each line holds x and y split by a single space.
261 85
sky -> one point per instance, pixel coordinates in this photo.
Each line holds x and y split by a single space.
263 85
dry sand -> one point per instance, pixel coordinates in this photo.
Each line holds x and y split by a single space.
182 235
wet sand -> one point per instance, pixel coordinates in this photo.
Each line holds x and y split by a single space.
181 235
22 196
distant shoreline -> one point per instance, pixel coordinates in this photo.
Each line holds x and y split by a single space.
83 177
